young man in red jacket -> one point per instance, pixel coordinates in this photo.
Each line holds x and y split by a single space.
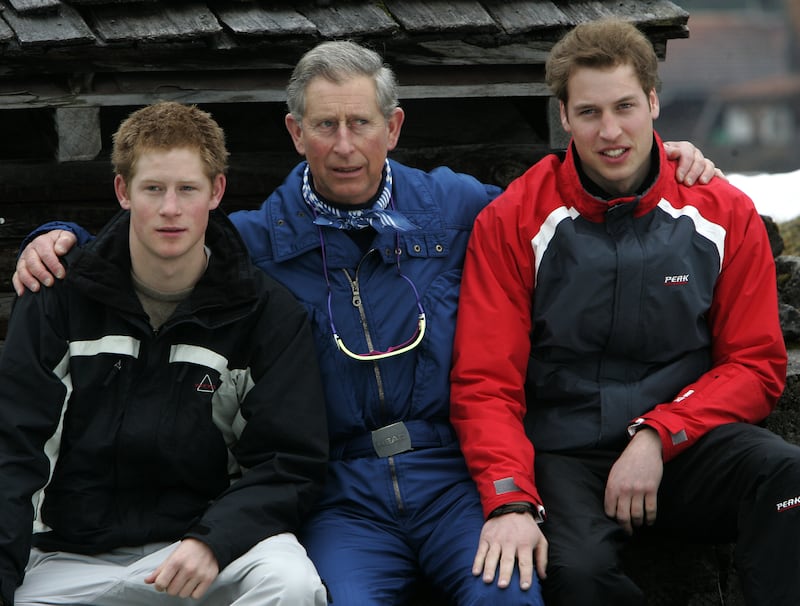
626 327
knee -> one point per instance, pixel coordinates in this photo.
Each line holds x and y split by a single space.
478 593
294 583
306 590
278 571
588 577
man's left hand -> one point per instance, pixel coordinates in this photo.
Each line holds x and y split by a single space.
187 572
632 486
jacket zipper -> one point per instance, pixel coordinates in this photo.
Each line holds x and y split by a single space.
356 300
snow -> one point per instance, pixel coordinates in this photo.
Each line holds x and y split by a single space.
775 195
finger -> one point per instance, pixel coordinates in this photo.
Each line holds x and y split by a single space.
490 565
610 502
27 279
164 578
692 167
623 515
637 511
188 589
686 155
507 561
52 263
540 553
651 508
719 174
64 242
201 588
19 287
480 557
525 562
31 272
708 171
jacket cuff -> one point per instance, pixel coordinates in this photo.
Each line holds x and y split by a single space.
518 507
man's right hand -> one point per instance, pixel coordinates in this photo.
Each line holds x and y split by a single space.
39 262
508 540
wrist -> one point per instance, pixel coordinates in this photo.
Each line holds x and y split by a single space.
515 507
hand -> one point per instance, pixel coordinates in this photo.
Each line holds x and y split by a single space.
506 539
39 262
632 486
187 572
692 166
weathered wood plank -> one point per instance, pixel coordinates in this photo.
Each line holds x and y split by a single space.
33 6
78 130
446 16
521 16
6 33
63 26
110 1
461 52
251 20
656 12
350 19
155 23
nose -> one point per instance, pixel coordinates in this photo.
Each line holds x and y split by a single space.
169 203
343 142
609 126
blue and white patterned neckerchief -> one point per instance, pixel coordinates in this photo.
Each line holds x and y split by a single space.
380 216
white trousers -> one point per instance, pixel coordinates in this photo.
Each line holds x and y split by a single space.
275 571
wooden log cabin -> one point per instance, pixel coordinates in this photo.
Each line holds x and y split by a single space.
471 77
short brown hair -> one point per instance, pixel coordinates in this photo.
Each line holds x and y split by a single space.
167 125
598 44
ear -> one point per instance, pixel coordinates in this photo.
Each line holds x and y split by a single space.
395 124
217 191
296 131
562 111
655 106
121 189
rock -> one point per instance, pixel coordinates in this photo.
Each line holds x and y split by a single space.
774 235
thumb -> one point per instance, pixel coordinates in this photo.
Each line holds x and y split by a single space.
64 242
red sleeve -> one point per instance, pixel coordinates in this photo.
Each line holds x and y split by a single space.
748 352
492 346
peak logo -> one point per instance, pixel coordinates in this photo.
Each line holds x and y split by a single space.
788 504
676 280
206 385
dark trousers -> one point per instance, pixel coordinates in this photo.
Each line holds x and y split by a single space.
738 483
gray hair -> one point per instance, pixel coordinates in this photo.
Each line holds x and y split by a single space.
337 61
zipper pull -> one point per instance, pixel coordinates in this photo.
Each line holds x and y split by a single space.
356 294
113 373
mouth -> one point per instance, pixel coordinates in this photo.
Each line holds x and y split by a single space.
614 153
347 170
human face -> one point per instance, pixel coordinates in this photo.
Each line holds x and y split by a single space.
169 197
345 138
610 119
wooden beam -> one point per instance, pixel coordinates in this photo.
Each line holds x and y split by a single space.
559 139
